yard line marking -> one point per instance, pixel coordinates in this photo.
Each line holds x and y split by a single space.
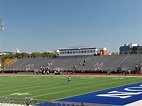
49 88
52 83
43 83
74 89
117 78
66 86
26 82
62 86
91 92
20 94
115 98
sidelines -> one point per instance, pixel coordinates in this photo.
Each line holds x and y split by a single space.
123 95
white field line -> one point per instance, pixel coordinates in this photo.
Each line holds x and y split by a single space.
8 104
45 88
75 85
75 89
28 76
21 86
93 91
11 83
107 76
138 103
63 86
26 82
50 88
33 75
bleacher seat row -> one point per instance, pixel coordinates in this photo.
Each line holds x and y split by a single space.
82 63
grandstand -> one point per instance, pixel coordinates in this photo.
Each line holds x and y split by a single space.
113 63
81 51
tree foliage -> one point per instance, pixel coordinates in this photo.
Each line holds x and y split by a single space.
114 53
7 59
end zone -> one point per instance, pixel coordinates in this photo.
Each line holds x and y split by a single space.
128 95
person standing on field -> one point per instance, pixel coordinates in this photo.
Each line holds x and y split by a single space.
69 79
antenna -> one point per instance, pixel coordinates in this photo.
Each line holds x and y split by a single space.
1 24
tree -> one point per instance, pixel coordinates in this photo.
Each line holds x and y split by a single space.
47 54
17 55
114 53
24 54
36 54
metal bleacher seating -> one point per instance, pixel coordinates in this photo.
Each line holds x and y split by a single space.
109 62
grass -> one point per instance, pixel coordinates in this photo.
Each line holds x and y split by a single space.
56 87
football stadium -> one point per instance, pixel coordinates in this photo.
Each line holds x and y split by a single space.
73 80
75 76
79 76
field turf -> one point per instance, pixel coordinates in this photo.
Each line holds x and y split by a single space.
46 87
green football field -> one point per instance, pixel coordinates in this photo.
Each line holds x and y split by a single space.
46 87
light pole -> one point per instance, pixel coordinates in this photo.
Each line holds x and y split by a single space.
1 24
1 28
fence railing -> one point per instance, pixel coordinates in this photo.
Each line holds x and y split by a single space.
4 101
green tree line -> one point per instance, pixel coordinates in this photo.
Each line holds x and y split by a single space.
28 55
11 56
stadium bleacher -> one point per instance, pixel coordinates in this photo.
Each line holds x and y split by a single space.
82 63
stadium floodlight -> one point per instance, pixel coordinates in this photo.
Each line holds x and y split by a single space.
1 24
1 28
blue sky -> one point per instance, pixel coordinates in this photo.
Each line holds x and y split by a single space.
46 25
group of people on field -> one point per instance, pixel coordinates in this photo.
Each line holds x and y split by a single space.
42 70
